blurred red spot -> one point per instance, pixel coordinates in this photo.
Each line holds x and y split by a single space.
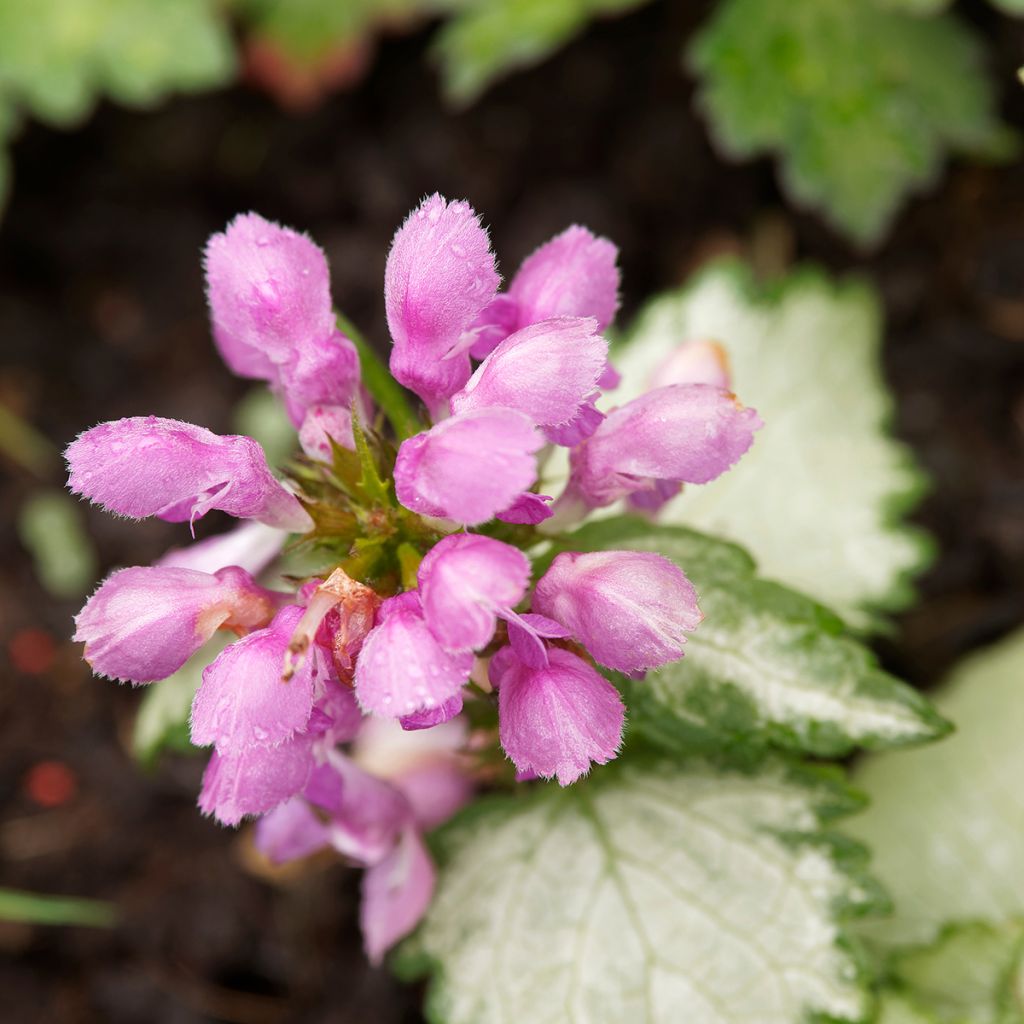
50 783
32 651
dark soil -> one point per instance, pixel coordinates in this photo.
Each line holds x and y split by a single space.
102 315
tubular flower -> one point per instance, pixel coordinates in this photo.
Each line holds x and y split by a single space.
339 713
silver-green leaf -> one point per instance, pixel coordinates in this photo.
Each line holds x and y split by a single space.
652 893
766 666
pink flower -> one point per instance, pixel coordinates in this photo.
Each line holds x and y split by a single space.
470 467
143 624
270 303
528 509
148 466
556 720
574 274
402 669
466 581
683 433
630 609
244 700
547 371
440 274
255 779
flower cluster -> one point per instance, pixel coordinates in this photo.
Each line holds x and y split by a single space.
425 607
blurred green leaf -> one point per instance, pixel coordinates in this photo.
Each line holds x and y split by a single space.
946 823
163 716
972 973
860 102
35 908
261 415
58 57
820 498
50 527
486 39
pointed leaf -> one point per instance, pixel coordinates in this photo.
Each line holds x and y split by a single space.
946 824
652 893
767 665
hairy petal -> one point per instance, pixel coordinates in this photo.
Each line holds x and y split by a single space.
149 466
574 274
470 467
255 779
243 700
547 371
648 598
465 581
440 275
528 508
144 623
290 831
688 433
557 720
402 668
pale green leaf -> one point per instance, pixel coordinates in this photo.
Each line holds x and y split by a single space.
652 893
486 39
163 716
766 666
946 824
896 1008
819 498
50 527
261 415
860 102
971 973
58 57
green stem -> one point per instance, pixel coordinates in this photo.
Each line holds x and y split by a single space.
386 391
35 908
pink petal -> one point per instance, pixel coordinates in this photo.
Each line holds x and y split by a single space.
148 466
526 635
648 598
252 546
440 274
574 274
243 700
254 780
465 581
547 371
366 814
402 668
144 623
556 720
269 291
428 718
469 467
290 831
436 788
579 428
321 424
689 433
323 371
528 509
396 894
